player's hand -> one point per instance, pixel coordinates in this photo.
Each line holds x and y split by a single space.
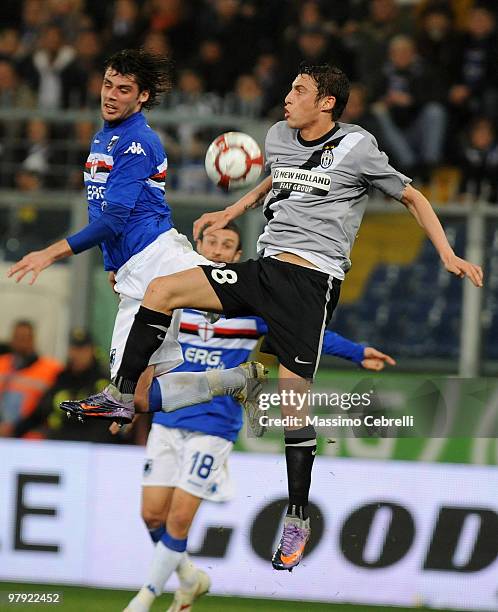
461 267
211 221
33 262
375 360
115 428
112 279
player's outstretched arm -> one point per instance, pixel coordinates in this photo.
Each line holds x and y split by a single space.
36 261
420 208
366 356
209 222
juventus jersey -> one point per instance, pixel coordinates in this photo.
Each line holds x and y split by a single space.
127 166
320 191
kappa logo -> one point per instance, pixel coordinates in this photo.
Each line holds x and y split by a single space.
135 148
112 142
327 158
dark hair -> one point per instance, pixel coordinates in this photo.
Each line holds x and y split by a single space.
151 72
23 323
330 81
233 227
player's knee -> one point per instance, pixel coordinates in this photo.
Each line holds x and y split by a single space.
152 518
160 292
179 523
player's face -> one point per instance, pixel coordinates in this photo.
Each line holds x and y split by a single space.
301 105
221 245
119 96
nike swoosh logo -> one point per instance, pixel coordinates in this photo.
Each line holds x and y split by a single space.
292 557
160 337
297 360
96 141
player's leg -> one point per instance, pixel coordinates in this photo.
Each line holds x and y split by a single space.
160 475
300 450
189 288
156 501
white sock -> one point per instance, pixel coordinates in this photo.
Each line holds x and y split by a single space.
164 563
181 389
226 382
187 572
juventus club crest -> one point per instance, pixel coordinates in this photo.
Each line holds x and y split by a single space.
205 331
327 158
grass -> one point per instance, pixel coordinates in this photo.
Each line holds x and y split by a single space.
83 599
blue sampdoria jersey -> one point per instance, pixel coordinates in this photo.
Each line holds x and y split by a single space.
226 344
127 167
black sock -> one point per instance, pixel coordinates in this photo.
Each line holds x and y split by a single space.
146 336
300 449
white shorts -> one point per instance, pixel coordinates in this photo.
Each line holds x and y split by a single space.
190 460
171 252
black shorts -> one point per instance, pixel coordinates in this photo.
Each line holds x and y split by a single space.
296 303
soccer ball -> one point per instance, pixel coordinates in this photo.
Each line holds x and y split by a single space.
234 159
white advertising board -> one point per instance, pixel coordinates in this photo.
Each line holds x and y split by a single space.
395 533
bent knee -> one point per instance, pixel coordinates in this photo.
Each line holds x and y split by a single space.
152 518
179 524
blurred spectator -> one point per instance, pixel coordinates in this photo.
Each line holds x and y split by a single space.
173 18
224 21
13 92
24 378
10 46
75 76
266 70
76 153
35 153
158 43
82 376
412 126
211 66
93 87
479 162
474 87
126 27
247 99
386 18
358 113
316 46
43 69
33 20
437 44
69 16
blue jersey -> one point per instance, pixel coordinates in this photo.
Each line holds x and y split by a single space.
126 167
226 344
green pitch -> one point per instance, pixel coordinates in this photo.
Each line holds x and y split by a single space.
78 599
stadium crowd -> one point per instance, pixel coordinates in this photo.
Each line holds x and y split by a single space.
32 386
424 73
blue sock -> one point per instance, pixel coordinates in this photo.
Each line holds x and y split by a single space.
157 533
173 543
155 398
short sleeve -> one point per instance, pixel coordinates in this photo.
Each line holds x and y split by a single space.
133 165
376 171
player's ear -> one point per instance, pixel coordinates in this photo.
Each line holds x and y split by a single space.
143 96
237 256
327 103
